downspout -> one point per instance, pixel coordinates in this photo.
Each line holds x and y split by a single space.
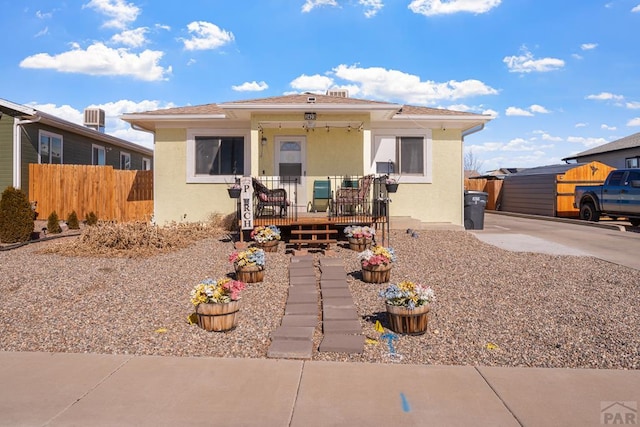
17 149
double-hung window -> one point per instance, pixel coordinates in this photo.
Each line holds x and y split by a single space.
632 162
50 148
98 155
403 154
214 156
125 161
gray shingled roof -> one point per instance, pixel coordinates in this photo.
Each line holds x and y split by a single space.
302 99
545 170
631 141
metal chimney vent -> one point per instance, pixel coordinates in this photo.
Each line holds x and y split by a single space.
342 93
94 119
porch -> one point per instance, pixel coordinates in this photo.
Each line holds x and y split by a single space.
335 203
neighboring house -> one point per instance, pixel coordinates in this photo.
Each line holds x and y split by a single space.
621 153
31 136
200 149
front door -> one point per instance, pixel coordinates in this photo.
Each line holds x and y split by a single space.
291 167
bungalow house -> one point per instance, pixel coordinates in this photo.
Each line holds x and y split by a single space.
621 153
31 136
199 150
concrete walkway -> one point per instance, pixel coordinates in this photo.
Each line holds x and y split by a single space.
58 389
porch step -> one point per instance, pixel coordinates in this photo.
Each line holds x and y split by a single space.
313 234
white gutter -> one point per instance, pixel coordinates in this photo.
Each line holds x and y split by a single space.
472 130
17 149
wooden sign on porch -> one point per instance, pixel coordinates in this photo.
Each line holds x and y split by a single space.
246 198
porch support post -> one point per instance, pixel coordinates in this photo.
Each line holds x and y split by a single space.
254 169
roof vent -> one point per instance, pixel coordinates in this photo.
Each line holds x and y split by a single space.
341 93
311 99
94 119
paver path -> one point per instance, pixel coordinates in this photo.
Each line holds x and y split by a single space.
293 339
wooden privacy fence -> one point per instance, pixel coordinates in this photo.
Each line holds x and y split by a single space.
491 187
113 195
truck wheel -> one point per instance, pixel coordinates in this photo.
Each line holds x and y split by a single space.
635 222
588 212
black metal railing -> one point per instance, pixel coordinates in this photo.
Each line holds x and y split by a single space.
344 199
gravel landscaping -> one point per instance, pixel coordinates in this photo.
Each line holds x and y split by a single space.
493 308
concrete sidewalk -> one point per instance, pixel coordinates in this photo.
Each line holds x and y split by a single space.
118 390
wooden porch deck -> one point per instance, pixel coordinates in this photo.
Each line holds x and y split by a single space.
313 229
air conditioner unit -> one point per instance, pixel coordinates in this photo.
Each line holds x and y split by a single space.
94 118
342 93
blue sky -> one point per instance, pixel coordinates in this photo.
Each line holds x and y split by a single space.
559 76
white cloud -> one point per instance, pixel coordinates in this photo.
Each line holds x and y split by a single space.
605 96
492 113
535 108
120 12
634 122
576 56
43 15
309 5
99 59
526 63
372 7
633 105
588 46
607 127
587 142
581 125
446 7
42 32
205 36
131 38
251 87
515 111
380 83
547 137
636 9
315 83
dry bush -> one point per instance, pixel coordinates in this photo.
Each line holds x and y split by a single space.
138 239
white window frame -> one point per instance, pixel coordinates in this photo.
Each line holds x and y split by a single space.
127 157
630 161
94 161
383 153
50 135
146 163
192 178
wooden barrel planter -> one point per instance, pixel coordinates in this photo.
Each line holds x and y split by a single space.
403 320
268 246
359 244
218 317
376 273
249 273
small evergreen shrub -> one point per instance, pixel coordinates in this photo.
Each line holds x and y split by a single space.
91 218
72 221
16 216
53 223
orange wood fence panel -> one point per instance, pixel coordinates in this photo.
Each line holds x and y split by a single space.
491 187
113 195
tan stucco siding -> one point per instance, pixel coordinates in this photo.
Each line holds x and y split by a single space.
173 197
441 200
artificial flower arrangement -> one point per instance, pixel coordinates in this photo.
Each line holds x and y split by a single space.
377 255
359 232
391 180
267 233
249 257
211 291
408 294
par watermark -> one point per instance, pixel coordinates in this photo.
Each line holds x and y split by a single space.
619 413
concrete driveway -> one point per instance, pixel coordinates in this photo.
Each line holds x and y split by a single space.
611 241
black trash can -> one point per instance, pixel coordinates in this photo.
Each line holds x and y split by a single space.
474 204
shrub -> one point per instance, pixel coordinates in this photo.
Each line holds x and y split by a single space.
16 216
72 221
91 218
53 223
